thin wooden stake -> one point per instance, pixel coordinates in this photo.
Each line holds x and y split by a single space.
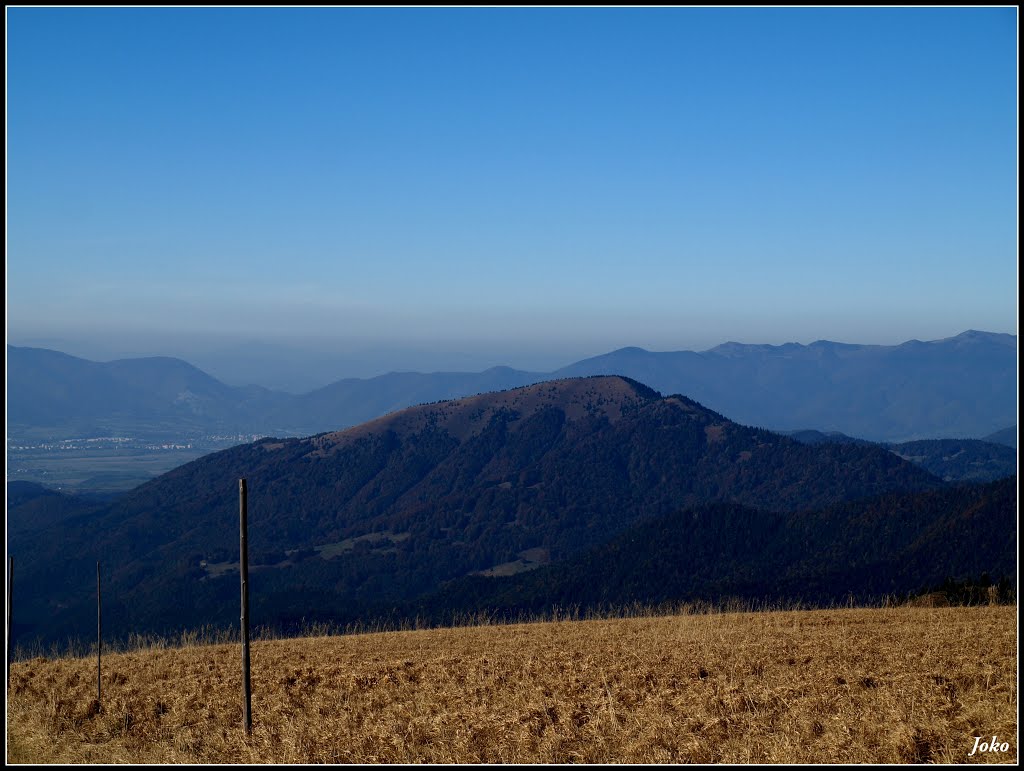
244 571
10 580
99 638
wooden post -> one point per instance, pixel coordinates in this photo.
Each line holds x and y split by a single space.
10 580
244 571
99 638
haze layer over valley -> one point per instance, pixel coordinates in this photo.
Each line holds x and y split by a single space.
106 426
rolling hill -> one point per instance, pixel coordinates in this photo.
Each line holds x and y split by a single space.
365 520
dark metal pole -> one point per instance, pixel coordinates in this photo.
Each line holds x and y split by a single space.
10 580
99 638
244 570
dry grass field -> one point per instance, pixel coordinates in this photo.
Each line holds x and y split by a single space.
897 685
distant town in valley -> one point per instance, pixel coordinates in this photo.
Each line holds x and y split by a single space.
108 464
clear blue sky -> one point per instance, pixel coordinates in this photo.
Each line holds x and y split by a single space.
569 180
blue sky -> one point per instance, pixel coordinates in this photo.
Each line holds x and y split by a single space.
509 180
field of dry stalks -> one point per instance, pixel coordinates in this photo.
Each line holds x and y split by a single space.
834 686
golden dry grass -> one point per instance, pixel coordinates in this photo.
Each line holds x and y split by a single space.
855 685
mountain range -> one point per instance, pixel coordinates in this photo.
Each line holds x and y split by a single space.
384 518
958 387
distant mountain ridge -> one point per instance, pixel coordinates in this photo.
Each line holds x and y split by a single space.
958 387
1007 436
76 397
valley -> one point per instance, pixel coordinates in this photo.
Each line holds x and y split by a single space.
107 465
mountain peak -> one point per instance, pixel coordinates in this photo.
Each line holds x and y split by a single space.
611 396
978 336
733 348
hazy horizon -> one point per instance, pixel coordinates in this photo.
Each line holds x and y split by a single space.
300 366
430 189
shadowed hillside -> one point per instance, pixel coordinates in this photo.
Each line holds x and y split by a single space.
953 460
889 545
32 508
968 460
352 522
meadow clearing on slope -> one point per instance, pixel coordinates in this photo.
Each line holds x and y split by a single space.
826 686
